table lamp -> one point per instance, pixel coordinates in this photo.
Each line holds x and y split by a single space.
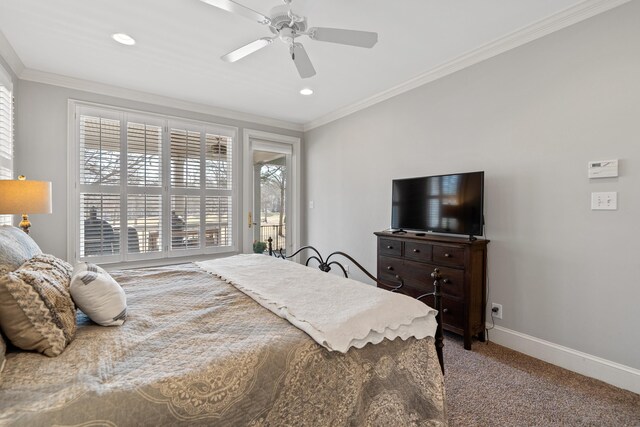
25 197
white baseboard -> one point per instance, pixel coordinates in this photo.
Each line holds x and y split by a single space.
585 364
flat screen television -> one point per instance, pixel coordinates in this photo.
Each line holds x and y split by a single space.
442 204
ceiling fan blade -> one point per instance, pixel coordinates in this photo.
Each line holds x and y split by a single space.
302 61
247 49
237 8
349 37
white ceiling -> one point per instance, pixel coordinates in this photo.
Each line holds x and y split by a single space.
179 44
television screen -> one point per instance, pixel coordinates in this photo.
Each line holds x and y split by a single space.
444 203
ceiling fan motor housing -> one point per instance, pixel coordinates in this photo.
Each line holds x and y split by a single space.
281 20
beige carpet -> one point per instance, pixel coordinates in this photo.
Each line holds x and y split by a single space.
495 386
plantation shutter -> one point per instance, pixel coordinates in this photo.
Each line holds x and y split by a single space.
201 187
144 186
149 187
219 177
6 134
100 179
186 191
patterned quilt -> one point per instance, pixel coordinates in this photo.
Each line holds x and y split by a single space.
196 351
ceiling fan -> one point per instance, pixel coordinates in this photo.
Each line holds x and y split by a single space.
287 26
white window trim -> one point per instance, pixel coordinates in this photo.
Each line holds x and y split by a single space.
73 180
247 202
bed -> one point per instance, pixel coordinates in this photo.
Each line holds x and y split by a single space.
196 351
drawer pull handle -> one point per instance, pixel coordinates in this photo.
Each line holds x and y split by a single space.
416 250
445 310
389 268
445 281
447 255
389 247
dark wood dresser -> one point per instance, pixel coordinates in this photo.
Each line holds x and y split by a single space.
410 260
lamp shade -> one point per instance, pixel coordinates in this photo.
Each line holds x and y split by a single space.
25 197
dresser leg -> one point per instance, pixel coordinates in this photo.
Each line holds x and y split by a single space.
467 341
481 336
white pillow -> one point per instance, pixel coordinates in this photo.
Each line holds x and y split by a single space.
98 295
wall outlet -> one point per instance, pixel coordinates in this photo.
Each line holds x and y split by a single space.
496 309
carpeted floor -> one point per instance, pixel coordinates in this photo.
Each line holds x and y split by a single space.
496 386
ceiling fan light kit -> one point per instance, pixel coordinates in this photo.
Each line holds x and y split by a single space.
287 26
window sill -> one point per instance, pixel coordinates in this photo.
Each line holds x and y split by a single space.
164 261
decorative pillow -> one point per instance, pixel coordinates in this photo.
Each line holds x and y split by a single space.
98 295
16 248
36 309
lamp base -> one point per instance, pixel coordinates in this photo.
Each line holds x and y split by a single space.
25 224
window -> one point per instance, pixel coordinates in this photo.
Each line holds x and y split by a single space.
151 187
6 133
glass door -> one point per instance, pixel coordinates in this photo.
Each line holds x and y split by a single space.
270 172
270 199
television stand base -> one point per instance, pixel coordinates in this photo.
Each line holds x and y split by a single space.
399 231
472 238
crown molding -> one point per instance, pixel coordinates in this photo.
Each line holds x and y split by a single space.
134 95
10 55
553 23
572 15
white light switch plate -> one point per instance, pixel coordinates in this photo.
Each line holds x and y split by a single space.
605 201
603 168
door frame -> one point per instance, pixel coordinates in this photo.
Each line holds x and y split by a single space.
293 221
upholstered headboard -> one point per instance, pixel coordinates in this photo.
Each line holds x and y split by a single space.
16 247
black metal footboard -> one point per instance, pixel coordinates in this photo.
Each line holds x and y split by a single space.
325 264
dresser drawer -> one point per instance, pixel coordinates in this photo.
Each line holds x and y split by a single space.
390 281
452 311
417 275
418 251
452 282
389 267
448 255
389 247
414 292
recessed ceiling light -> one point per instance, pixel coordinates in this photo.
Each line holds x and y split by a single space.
306 91
123 38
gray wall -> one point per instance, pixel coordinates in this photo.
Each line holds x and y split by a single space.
41 147
531 119
4 64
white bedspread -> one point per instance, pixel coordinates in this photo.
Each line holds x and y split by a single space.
337 313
